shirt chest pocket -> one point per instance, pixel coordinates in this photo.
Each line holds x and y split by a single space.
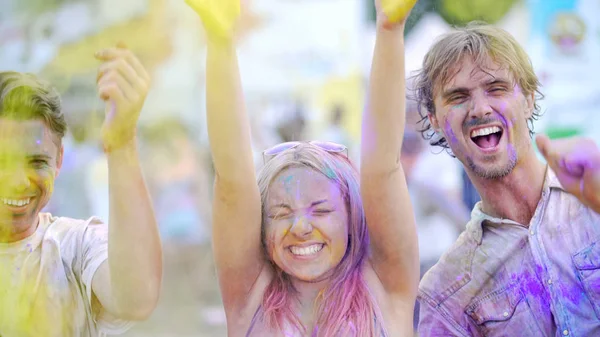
504 313
587 263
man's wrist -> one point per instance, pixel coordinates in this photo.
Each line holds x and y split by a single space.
122 150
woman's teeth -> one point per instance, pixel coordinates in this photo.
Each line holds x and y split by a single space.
309 250
14 202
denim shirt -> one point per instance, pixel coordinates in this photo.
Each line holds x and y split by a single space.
502 278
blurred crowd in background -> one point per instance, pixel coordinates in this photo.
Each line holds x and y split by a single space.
304 66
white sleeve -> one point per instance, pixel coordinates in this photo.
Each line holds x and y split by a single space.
94 252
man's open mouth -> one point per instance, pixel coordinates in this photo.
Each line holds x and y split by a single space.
487 138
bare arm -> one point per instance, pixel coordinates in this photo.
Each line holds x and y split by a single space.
128 284
236 203
385 194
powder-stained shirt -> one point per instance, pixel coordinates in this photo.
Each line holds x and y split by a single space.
502 278
46 281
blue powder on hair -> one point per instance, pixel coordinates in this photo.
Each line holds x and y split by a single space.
329 173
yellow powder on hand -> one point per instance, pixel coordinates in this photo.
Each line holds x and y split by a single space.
396 10
218 16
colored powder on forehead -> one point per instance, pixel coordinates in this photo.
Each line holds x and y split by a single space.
288 179
287 182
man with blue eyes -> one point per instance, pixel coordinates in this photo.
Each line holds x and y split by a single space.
528 263
59 276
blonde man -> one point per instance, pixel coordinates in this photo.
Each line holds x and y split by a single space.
528 263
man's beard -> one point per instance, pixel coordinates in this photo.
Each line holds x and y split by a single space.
496 172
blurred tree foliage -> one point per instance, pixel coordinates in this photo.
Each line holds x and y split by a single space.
454 12
461 12
39 6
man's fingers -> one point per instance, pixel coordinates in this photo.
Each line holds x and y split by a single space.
543 144
110 92
114 77
577 161
124 69
113 87
135 63
109 53
121 51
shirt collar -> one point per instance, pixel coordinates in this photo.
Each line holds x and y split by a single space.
474 226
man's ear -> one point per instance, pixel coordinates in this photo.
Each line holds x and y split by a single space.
59 160
434 122
530 105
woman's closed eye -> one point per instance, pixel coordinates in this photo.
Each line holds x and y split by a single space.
322 211
280 214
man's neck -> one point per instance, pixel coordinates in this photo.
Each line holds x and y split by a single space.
515 196
10 233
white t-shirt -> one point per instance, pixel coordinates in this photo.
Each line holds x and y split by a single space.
46 281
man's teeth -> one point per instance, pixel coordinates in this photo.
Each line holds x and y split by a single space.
13 202
312 249
485 131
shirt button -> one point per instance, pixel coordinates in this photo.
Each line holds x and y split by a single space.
550 282
531 232
505 314
566 332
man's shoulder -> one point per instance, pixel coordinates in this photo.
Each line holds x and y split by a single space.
450 273
65 227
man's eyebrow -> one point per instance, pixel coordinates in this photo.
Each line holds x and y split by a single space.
459 90
464 90
498 81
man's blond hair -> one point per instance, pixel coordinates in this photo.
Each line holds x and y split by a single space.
480 42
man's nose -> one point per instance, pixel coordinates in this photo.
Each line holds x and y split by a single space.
480 106
14 180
